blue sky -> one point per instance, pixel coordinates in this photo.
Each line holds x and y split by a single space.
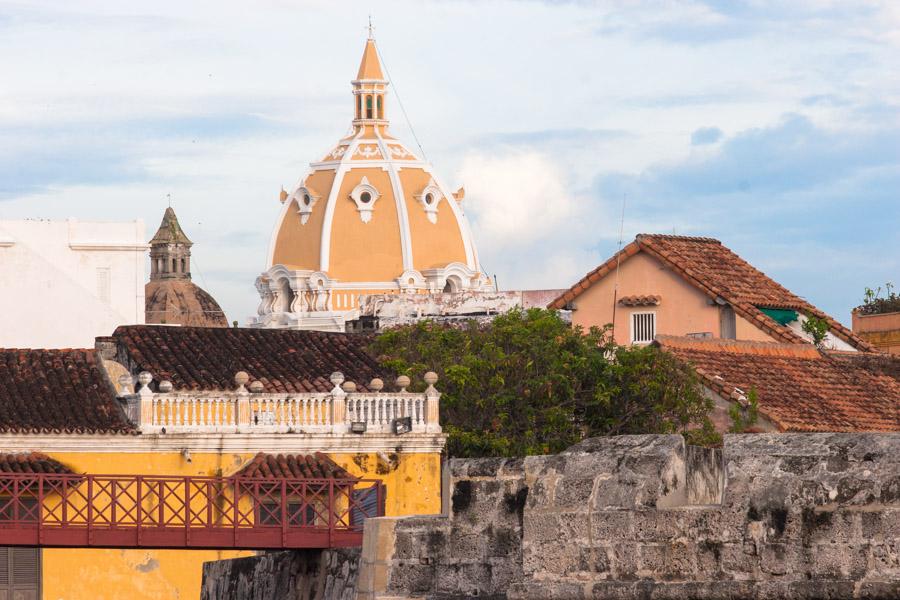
773 126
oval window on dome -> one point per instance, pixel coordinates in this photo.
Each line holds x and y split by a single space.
306 199
365 197
429 198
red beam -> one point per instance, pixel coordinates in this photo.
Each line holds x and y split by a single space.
140 511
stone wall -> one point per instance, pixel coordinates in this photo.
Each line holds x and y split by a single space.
294 575
789 516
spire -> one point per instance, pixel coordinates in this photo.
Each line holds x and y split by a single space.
370 66
370 86
170 250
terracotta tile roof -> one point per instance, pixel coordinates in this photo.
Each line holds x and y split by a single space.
640 300
57 391
33 462
292 466
719 273
799 388
206 358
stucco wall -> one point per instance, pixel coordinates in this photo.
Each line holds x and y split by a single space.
682 310
66 282
773 516
412 482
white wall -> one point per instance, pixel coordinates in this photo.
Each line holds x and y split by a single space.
62 283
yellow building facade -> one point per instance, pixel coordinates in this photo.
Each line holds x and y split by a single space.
369 217
159 401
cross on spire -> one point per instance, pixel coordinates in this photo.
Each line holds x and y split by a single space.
371 29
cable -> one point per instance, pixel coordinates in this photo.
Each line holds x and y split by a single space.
400 103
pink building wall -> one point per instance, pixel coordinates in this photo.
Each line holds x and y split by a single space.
683 309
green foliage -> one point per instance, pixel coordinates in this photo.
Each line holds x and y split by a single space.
528 383
744 417
817 327
875 304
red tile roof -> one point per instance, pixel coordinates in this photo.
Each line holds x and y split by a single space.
798 387
640 300
33 462
719 273
206 358
292 466
57 391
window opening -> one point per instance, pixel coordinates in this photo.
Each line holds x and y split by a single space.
365 197
368 107
727 323
380 108
643 327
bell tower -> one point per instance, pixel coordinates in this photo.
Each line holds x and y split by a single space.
170 250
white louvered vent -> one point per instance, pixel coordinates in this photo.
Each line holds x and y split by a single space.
643 327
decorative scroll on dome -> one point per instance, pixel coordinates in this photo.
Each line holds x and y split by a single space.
367 151
398 151
337 153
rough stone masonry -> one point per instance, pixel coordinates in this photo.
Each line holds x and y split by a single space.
767 516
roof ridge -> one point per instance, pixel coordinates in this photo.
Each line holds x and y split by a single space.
672 236
788 350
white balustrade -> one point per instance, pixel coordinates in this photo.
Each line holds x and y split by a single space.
240 411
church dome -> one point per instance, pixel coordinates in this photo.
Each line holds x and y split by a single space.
170 296
371 216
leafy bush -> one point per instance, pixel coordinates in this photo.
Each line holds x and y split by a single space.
528 383
874 304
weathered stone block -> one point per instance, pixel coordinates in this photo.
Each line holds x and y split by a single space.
839 561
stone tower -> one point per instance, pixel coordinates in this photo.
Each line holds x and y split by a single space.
171 297
170 250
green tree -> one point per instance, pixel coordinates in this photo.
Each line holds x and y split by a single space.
528 383
816 327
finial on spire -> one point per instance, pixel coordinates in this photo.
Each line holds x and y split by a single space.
371 29
169 199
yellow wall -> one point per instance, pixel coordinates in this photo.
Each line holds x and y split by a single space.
297 244
434 245
413 487
365 251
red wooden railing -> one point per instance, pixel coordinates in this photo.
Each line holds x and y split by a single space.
145 511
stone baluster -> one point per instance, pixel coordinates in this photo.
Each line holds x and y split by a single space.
338 411
432 404
243 403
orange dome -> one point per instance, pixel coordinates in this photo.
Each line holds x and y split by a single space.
369 217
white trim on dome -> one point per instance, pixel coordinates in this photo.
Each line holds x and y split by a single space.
461 221
341 168
402 216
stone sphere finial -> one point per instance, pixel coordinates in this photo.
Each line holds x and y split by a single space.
256 387
402 382
349 387
431 378
337 378
144 378
376 385
165 386
241 378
